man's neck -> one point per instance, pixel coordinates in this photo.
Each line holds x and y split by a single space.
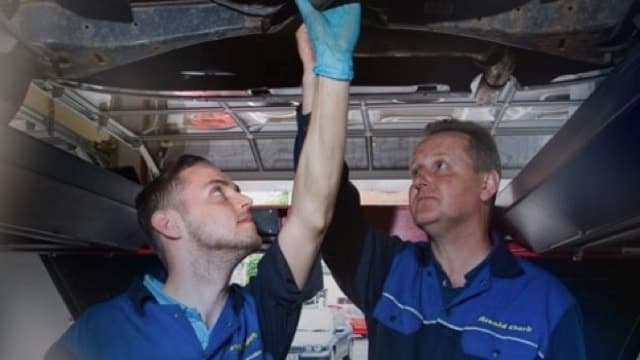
460 250
202 282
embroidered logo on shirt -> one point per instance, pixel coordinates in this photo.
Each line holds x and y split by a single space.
504 326
247 341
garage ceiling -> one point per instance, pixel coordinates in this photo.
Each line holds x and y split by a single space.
250 133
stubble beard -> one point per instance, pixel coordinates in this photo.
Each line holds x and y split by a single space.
241 244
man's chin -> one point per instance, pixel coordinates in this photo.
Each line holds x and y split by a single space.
423 220
244 244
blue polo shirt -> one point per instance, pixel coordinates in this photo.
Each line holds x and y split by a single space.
257 322
156 288
508 308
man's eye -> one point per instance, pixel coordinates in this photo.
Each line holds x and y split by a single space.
217 192
441 165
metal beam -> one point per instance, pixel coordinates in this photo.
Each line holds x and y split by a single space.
271 135
369 104
586 177
50 195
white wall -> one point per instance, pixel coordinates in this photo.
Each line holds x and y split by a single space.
32 314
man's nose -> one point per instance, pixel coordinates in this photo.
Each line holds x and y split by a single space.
245 201
421 179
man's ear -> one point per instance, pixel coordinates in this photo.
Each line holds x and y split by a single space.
166 222
490 184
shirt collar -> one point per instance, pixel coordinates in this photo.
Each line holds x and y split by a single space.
156 288
139 294
503 263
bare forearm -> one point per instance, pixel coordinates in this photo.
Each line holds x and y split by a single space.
320 167
317 178
309 82
326 44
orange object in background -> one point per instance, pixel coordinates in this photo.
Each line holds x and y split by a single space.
355 317
209 121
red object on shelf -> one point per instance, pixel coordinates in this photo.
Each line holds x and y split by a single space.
209 121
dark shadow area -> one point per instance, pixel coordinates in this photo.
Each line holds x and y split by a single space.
382 58
443 10
87 279
608 295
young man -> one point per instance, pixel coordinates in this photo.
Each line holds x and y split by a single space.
462 295
200 227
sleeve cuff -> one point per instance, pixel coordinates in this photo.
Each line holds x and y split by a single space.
274 273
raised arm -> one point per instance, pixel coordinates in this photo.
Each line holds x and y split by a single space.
357 255
333 33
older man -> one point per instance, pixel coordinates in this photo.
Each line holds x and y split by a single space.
462 295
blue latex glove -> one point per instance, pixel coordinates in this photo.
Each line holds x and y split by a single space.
334 34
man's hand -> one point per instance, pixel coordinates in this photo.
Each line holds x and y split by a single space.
334 34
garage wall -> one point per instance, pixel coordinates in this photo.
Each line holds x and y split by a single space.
32 314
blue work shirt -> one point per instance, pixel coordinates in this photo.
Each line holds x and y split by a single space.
156 288
508 309
257 322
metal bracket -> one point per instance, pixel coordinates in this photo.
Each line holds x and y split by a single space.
498 70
